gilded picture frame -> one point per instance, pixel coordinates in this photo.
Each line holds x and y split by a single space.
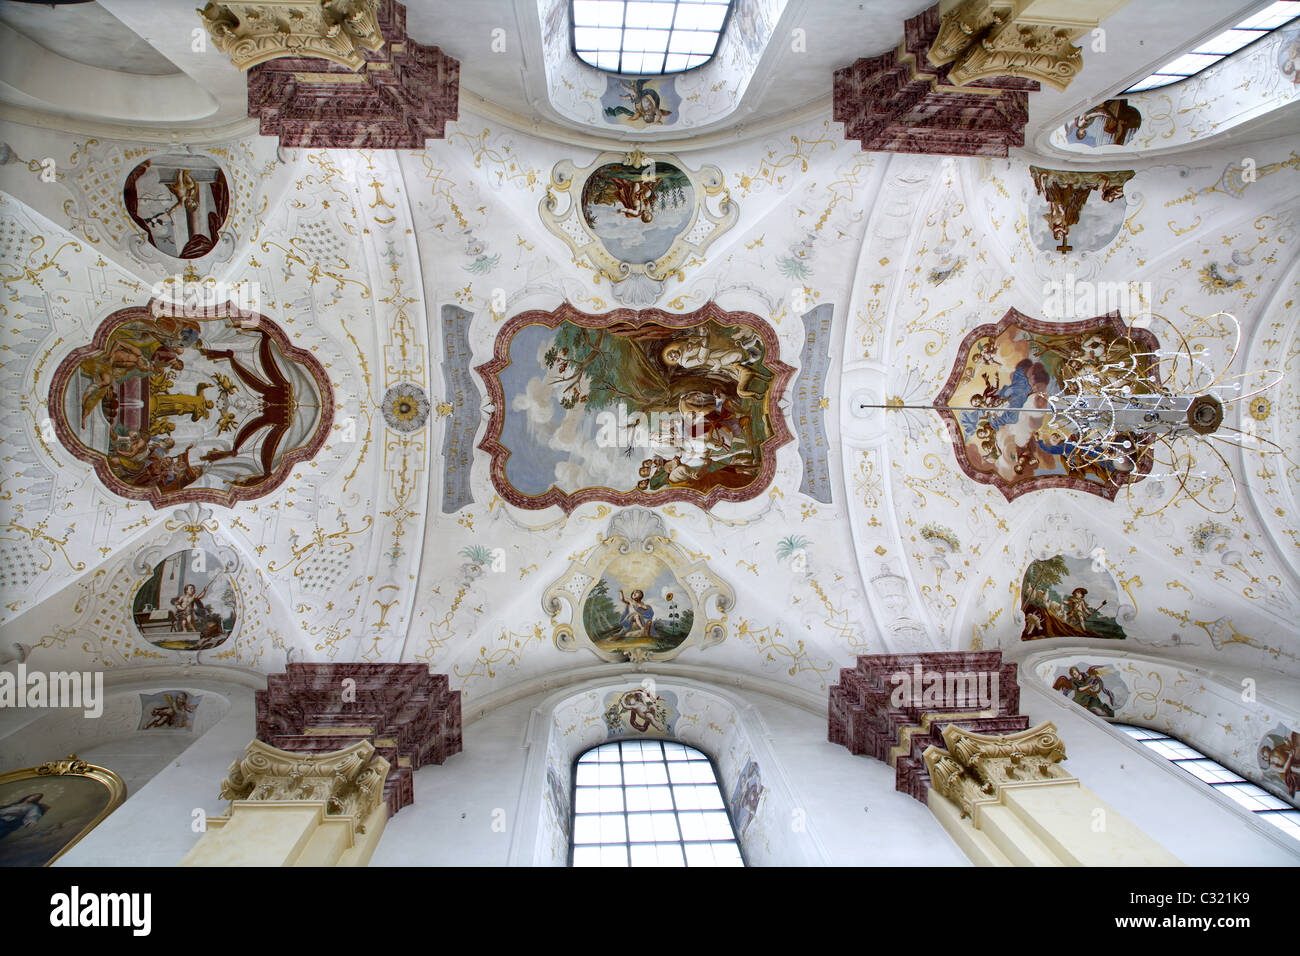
40 805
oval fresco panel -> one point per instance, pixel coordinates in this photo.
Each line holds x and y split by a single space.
189 603
638 211
180 202
998 403
172 408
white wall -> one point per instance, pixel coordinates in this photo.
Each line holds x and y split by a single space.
154 826
852 814
861 819
468 811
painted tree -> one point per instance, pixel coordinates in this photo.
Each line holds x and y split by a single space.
600 615
585 365
1045 573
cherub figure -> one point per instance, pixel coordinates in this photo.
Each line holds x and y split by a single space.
695 354
189 607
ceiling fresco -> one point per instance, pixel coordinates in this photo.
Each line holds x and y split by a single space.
638 596
1004 381
149 400
180 202
388 446
634 407
638 218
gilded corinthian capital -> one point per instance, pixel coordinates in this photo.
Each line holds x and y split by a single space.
335 30
975 767
983 39
350 782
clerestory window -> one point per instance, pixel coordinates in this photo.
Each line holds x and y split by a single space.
649 803
647 37
1209 52
1255 799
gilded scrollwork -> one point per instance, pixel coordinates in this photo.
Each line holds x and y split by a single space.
982 39
975 767
610 201
638 596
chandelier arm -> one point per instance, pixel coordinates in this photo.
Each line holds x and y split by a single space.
1184 345
1147 454
1262 388
1231 477
1279 450
1232 352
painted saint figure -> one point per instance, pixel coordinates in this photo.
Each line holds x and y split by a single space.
646 104
22 815
746 796
189 608
175 713
180 202
1077 609
1282 757
693 352
638 618
644 712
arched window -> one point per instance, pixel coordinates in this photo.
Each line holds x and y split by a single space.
649 803
648 37
1255 799
1209 52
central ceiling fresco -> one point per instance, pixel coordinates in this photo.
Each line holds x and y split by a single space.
643 408
513 401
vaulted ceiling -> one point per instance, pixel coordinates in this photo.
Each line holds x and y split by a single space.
397 271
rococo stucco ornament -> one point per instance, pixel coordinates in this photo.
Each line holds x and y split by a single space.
636 217
1066 191
638 596
975 768
335 30
350 782
983 39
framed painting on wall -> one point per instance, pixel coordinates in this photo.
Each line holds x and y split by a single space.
45 810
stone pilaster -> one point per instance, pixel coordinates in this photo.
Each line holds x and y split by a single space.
1007 801
296 809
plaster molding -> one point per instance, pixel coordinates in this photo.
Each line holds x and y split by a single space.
975 768
334 30
170 133
349 782
811 701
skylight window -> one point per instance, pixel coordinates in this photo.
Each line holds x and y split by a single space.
648 37
1255 799
1209 52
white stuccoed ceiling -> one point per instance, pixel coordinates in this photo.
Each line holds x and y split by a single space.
885 218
